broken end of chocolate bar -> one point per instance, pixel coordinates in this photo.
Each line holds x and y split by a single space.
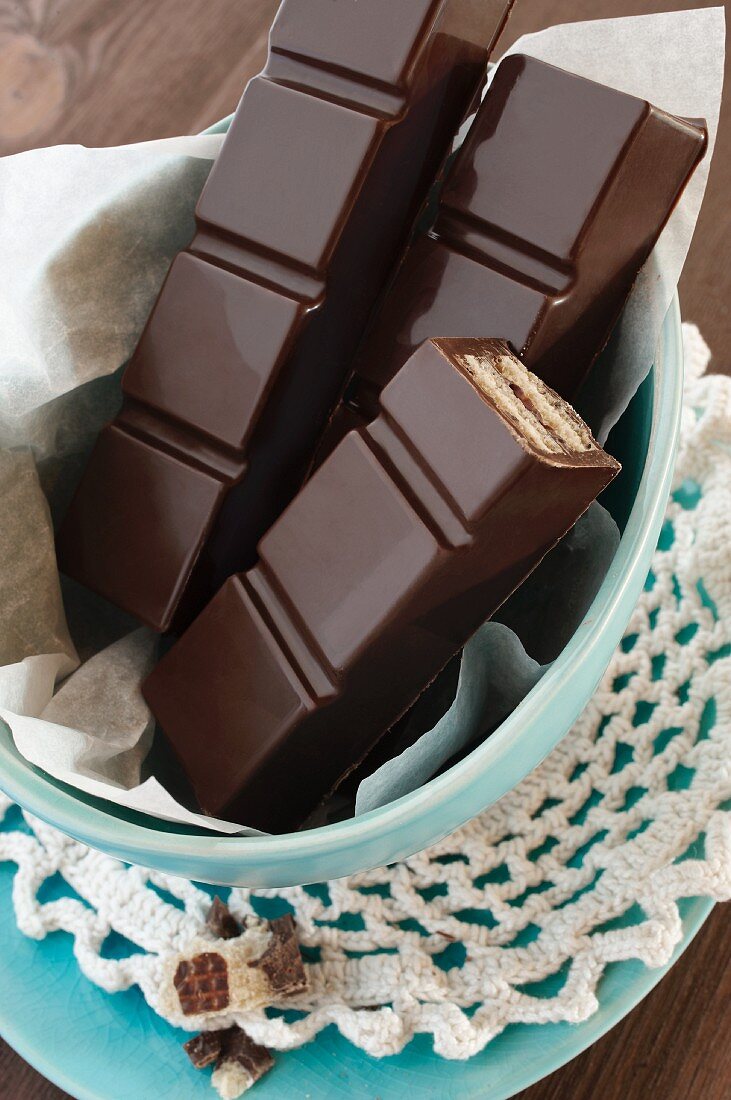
538 416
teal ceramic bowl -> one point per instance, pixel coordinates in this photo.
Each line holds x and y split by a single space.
645 442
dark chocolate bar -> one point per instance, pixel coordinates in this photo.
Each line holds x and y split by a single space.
550 209
329 158
415 531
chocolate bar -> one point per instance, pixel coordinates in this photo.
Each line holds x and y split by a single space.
548 212
407 538
328 160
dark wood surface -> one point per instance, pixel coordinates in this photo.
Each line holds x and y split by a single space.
105 72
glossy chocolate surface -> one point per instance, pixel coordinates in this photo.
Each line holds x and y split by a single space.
407 538
328 160
549 211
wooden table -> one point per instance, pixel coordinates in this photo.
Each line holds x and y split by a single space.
105 72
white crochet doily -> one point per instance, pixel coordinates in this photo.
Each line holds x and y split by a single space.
534 886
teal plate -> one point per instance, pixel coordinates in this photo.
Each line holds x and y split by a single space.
98 1046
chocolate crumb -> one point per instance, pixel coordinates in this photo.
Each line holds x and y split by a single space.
221 922
204 1049
202 983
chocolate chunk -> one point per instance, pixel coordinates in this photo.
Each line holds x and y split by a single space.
282 961
204 1049
221 922
202 983
239 1061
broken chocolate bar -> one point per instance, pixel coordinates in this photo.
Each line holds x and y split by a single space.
256 968
415 531
328 160
548 212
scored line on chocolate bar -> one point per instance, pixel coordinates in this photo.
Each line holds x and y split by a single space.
423 492
335 84
164 432
288 630
517 258
261 265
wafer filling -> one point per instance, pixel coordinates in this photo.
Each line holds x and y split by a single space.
543 418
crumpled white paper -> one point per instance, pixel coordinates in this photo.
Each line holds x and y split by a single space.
96 729
495 675
31 612
86 237
550 606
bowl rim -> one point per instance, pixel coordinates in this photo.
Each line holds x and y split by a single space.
470 785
